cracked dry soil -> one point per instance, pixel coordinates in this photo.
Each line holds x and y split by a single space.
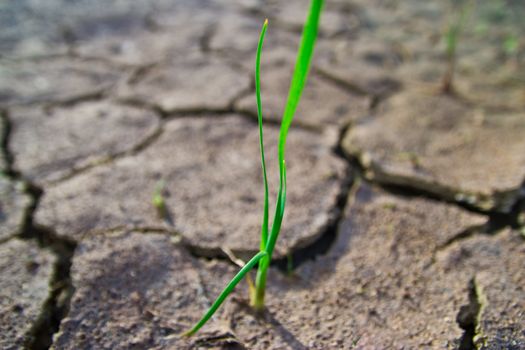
406 210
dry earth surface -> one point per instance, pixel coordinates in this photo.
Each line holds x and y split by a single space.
405 219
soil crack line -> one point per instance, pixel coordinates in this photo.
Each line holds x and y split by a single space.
150 139
4 141
397 186
56 306
468 317
352 88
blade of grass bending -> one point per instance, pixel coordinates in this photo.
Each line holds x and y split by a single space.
264 228
302 66
224 294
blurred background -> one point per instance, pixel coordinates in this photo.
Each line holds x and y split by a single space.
406 39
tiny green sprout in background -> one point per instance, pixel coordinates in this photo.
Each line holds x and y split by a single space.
269 236
511 45
452 35
158 199
289 264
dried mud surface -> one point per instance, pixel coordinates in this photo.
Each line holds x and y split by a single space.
14 206
406 203
26 274
211 209
45 139
474 155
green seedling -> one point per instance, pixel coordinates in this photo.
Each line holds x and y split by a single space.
158 200
511 45
451 42
269 236
289 264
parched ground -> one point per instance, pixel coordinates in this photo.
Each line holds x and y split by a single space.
405 218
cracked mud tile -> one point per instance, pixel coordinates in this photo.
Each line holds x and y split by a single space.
213 187
235 37
322 104
414 31
4 131
144 47
14 205
485 73
395 44
377 288
363 66
140 290
449 149
57 80
291 14
39 27
31 28
23 33
496 265
163 32
25 274
196 83
49 144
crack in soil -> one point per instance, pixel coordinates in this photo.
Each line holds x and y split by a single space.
249 90
93 96
57 303
504 211
56 306
468 317
4 141
341 83
465 234
376 98
139 72
145 143
205 39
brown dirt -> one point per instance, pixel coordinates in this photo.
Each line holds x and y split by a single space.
45 148
14 205
475 156
228 217
100 100
25 274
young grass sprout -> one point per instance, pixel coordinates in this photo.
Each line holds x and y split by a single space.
451 39
269 236
158 200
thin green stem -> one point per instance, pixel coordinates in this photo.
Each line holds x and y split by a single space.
264 228
262 271
224 294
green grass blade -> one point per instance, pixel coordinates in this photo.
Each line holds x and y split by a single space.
455 28
302 66
258 297
224 294
264 229
279 213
